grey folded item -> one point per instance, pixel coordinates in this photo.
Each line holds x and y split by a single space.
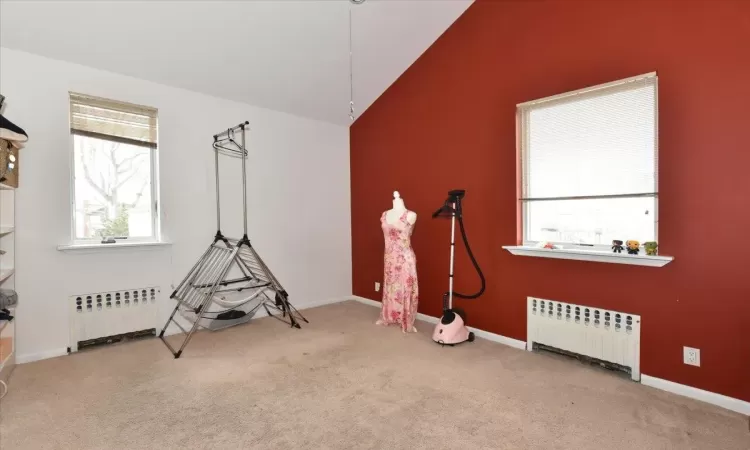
8 298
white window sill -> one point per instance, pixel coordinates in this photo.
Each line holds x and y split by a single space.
591 255
115 246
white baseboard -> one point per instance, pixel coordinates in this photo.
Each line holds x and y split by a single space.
730 403
31 357
328 301
723 401
172 330
515 343
365 301
426 318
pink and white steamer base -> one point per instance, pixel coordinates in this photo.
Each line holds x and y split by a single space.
452 327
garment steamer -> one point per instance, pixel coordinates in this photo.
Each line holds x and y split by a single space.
452 327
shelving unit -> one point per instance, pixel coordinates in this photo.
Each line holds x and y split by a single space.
7 348
7 274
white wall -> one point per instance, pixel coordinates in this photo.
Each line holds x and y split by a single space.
298 191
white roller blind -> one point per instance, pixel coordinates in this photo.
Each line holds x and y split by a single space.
591 143
109 119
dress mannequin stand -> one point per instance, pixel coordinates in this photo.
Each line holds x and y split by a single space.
400 287
393 215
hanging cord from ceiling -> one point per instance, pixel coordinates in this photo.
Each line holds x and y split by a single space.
351 74
351 65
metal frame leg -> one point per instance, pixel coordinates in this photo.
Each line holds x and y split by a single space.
206 302
166 325
171 317
214 271
286 308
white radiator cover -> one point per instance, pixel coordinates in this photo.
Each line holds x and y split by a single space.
606 335
102 314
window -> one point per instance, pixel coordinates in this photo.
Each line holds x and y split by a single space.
589 165
114 171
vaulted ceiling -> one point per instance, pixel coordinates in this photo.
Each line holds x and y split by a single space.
291 56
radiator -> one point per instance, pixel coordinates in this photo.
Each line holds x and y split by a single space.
609 336
105 314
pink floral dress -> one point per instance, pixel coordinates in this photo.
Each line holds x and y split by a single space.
400 289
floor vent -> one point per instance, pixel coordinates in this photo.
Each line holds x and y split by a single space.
108 316
610 337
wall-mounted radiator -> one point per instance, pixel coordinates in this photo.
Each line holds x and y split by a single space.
604 335
102 315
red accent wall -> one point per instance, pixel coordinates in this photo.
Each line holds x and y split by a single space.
449 122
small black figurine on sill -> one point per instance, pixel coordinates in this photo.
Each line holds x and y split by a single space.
617 246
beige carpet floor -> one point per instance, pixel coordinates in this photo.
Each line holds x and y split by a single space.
343 383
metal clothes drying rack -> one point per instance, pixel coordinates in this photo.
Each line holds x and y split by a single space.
209 277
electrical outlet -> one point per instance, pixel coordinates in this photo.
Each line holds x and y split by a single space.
377 287
691 356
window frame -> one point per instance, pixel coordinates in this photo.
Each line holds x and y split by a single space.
522 133
155 214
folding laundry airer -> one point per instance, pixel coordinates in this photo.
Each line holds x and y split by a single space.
229 266
452 327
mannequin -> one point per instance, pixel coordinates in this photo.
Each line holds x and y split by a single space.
392 215
400 287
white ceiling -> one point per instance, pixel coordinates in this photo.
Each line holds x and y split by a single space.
291 56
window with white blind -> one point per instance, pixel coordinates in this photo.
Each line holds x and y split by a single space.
115 195
589 165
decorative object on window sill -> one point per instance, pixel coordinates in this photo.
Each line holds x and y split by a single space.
633 247
548 245
617 246
651 248
579 254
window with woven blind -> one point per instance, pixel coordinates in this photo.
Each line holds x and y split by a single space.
114 171
108 119
589 165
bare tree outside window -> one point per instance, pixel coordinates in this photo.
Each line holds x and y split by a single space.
114 170
112 189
